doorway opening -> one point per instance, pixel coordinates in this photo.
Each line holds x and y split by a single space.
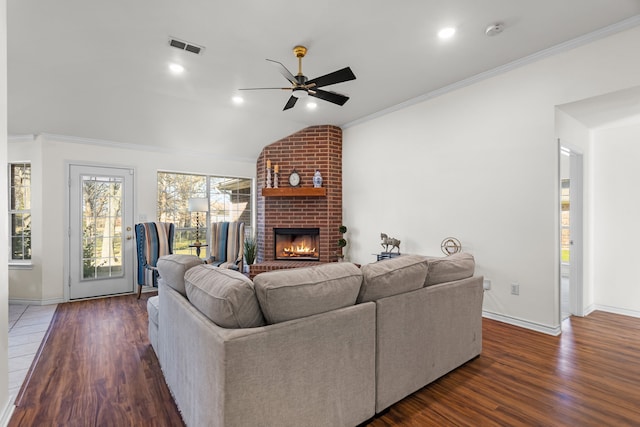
571 232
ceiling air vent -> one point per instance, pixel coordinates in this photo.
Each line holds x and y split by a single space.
182 45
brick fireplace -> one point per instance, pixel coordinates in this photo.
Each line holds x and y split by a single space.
313 148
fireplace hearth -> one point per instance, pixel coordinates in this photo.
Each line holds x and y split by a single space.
296 244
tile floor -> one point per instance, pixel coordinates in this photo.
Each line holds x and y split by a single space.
27 327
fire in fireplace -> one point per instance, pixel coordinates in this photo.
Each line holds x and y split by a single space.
296 244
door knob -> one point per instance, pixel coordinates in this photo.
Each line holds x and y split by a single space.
128 237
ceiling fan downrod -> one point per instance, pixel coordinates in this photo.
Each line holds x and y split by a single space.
299 52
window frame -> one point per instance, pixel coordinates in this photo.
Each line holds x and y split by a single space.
210 192
24 261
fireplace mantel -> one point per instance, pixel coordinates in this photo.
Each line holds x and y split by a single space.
294 192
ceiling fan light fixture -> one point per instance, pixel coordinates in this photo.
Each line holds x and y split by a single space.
312 105
300 93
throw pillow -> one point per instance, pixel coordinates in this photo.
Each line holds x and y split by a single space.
450 268
392 276
225 296
300 292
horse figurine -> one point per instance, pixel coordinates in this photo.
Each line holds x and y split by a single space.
389 241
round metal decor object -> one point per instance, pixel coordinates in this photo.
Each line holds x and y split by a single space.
450 246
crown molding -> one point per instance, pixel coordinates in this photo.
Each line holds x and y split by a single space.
128 146
21 138
618 27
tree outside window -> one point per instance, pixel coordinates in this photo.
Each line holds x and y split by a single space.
20 211
230 199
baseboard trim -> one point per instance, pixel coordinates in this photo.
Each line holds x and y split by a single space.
590 309
24 301
615 310
555 331
5 416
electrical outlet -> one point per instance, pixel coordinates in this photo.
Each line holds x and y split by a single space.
515 289
486 284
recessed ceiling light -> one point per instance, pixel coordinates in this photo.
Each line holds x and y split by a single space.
237 100
176 68
311 105
446 33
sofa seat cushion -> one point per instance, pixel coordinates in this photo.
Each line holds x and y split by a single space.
450 268
153 305
173 267
392 276
225 296
301 292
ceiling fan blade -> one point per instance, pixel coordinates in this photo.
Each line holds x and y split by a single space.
290 103
336 98
283 70
265 88
332 78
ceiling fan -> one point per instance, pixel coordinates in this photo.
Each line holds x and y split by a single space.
301 86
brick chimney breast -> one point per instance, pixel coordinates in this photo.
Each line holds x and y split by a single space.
313 148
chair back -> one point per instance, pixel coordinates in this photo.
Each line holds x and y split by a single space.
153 240
227 243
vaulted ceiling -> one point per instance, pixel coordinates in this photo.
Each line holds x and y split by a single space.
100 70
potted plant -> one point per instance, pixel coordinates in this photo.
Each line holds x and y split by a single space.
250 249
342 242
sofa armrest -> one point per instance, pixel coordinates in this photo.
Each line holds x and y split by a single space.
313 371
425 334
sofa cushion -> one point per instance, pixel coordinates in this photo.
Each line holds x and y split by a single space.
392 276
301 292
172 268
225 296
153 305
447 269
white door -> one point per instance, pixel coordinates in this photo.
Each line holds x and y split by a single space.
101 235
575 287
571 286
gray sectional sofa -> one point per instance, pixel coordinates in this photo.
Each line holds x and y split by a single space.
330 345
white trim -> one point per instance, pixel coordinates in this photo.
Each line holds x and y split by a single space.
24 301
614 310
141 147
21 138
590 309
554 50
549 330
7 412
13 265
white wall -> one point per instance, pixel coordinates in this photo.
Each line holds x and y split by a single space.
481 164
5 406
616 154
50 156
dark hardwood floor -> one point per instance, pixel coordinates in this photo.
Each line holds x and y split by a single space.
98 369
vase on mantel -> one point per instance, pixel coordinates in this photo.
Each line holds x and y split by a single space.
317 179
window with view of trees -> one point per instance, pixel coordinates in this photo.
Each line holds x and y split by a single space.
230 199
20 211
